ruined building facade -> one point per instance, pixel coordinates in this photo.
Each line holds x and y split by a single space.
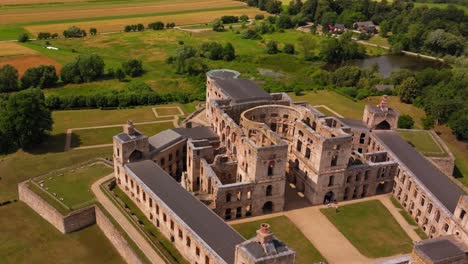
254 145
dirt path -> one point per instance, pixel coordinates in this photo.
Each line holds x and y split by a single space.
331 243
132 232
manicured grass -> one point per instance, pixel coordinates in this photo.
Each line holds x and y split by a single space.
167 110
286 231
378 40
64 210
27 238
150 228
423 142
90 137
408 218
74 185
355 109
325 111
152 129
370 227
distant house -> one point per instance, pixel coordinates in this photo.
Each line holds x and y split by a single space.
384 87
336 28
366 26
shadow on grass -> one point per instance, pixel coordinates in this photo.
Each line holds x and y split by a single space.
457 173
54 144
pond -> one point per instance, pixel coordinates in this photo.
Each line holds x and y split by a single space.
389 63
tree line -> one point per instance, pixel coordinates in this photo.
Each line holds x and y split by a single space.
85 68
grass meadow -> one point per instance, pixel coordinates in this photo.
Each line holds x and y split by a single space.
371 228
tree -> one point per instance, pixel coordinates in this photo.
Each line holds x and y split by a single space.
272 47
23 37
308 45
229 53
170 25
458 123
212 50
284 21
439 41
44 35
274 7
85 68
289 48
120 75
405 121
218 25
133 67
347 76
128 28
74 32
156 25
25 120
140 27
183 53
408 90
8 79
39 77
244 18
93 31
251 34
195 66
428 122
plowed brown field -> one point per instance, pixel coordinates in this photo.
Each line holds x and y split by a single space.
22 63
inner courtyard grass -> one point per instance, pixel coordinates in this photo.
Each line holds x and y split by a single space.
286 231
152 129
27 238
74 185
167 110
371 228
423 142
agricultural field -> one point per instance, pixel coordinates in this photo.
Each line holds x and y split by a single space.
108 15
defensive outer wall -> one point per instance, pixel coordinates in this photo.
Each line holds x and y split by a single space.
77 220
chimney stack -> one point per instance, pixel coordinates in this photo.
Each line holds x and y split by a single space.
129 128
264 235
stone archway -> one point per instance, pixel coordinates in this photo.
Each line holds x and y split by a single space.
267 207
384 125
329 197
135 156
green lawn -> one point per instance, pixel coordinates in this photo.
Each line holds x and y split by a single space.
408 218
354 109
27 238
378 40
370 227
74 185
167 110
286 231
325 111
423 142
152 129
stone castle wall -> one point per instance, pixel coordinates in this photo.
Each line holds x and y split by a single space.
66 224
117 240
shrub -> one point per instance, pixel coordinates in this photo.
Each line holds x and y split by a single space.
74 32
23 37
251 34
289 48
428 122
405 121
140 27
133 67
156 25
44 76
44 35
218 25
272 47
244 18
8 78
230 19
93 31
170 25
259 17
128 28
120 75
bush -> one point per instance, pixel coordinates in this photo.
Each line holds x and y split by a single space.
251 34
120 75
170 25
230 19
133 68
218 25
74 32
244 18
8 79
406 122
428 122
23 37
289 48
156 25
93 31
140 27
44 35
272 47
259 17
85 68
44 76
128 28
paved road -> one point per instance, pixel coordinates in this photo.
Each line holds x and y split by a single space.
120 218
